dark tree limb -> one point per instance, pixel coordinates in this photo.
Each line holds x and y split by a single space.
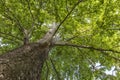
113 57
69 39
47 72
83 46
104 51
114 29
66 16
54 68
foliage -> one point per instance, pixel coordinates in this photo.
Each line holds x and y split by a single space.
92 23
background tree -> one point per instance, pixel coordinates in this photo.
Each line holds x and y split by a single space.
81 37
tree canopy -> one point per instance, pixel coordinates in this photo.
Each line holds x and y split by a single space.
87 42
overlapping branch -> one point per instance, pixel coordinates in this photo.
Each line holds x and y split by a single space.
58 76
47 70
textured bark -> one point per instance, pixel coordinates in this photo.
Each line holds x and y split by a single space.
23 63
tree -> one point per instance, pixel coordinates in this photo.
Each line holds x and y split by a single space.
59 39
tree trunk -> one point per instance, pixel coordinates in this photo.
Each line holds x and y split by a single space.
23 63
26 62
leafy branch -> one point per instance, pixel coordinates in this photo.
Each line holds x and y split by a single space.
20 27
8 14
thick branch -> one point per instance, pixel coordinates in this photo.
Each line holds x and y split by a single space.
90 47
66 16
49 35
86 47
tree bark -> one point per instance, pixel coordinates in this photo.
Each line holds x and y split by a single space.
23 63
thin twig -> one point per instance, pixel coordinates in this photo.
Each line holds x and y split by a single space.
11 40
28 1
69 39
11 36
115 58
76 36
33 19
